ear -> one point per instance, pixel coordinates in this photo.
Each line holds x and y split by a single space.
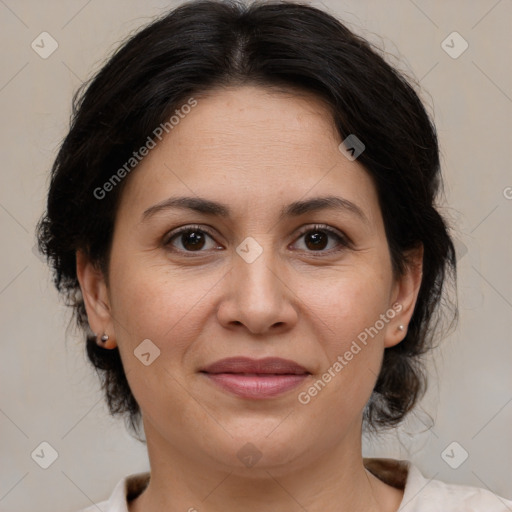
404 296
96 299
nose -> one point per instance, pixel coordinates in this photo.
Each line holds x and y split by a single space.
257 294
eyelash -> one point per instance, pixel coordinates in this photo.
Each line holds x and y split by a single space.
341 239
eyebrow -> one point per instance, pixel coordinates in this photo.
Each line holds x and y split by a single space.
295 209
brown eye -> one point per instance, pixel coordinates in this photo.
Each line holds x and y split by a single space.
318 238
192 240
189 239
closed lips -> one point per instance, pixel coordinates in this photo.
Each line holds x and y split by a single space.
266 366
256 379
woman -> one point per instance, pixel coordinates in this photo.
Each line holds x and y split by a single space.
243 218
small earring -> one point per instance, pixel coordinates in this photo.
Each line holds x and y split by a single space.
104 337
400 327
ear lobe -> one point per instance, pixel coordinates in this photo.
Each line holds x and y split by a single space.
405 293
95 294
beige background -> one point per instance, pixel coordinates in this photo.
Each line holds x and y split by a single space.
47 390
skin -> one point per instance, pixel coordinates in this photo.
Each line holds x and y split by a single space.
256 150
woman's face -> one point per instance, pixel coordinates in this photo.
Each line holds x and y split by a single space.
257 281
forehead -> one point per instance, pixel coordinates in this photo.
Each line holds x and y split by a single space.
248 121
253 146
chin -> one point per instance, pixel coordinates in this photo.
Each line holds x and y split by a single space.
254 450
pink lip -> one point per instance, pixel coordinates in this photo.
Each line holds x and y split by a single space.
256 378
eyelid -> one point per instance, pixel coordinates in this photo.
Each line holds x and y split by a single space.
184 229
344 242
324 227
343 239
304 229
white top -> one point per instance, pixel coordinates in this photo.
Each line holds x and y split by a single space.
420 494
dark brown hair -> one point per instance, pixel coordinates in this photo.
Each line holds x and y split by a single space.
205 44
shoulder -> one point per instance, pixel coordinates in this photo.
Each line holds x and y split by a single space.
427 495
422 494
125 490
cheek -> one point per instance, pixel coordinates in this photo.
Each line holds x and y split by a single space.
150 302
351 309
158 302
347 303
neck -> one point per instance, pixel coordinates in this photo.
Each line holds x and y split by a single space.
335 480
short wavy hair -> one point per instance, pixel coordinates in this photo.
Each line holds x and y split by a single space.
206 44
